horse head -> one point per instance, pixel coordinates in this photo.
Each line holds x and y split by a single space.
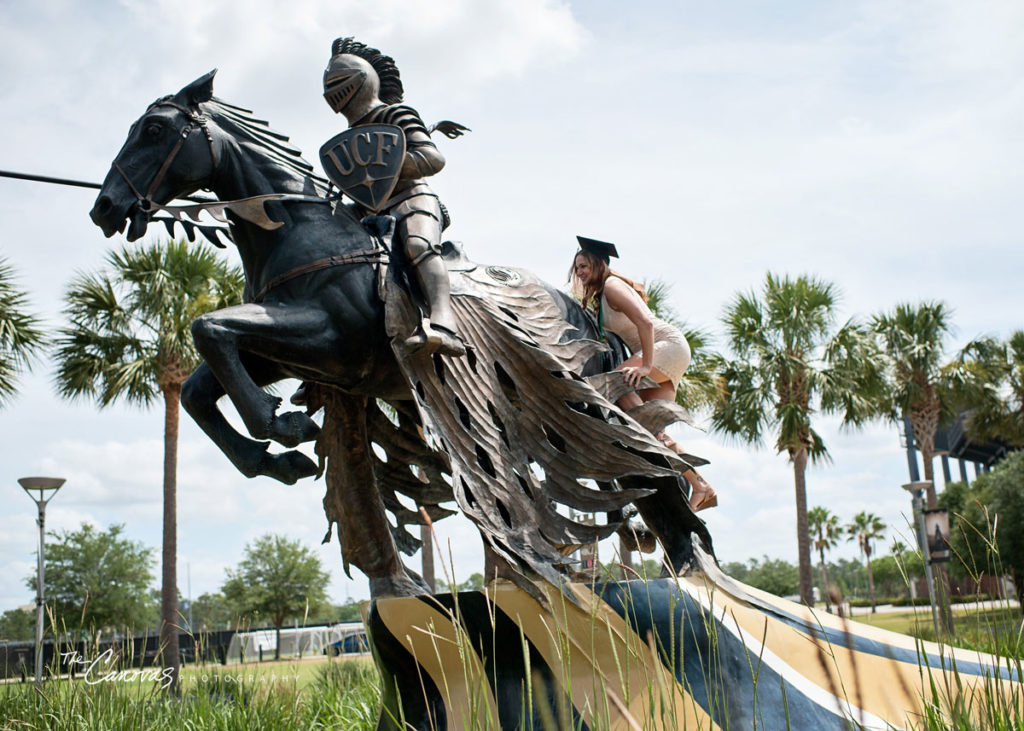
170 152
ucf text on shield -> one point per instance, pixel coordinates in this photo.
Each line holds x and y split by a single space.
364 162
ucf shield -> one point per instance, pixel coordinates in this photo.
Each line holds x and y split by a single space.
364 162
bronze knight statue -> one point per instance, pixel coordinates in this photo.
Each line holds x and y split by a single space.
512 430
365 86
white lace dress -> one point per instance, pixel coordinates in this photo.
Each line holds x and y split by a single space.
671 351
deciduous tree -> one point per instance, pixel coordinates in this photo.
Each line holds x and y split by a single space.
773 575
278 579
987 521
210 611
475 582
98 579
17 624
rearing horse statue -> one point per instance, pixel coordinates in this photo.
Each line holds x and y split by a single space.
519 426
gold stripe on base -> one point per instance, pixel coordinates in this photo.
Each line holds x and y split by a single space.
613 678
440 645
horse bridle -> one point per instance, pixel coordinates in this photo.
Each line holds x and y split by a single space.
195 121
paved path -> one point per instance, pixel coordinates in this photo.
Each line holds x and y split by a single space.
890 608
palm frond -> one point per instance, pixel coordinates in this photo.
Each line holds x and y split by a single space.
987 379
21 333
744 324
129 327
742 409
657 301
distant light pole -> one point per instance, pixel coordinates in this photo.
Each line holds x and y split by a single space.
917 490
46 487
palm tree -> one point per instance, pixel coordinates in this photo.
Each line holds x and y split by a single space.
20 334
989 381
825 526
867 527
791 362
912 339
920 389
128 337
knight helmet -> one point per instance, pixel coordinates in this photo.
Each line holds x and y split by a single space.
357 74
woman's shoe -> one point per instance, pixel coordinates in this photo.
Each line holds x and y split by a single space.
702 495
704 500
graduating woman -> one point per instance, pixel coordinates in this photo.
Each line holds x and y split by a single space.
659 350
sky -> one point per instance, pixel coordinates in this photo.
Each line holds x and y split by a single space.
872 143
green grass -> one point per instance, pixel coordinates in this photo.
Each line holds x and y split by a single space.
321 693
995 631
330 694
326 693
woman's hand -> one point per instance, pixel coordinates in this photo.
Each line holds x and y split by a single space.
635 374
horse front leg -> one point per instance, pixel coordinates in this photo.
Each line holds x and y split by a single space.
276 333
199 397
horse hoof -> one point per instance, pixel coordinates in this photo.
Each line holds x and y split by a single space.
293 428
288 467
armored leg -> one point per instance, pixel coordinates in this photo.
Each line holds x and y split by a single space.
419 228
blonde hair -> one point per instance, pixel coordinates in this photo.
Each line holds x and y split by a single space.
589 293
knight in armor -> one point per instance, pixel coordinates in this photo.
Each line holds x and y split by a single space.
364 85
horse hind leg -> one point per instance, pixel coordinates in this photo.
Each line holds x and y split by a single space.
669 517
199 397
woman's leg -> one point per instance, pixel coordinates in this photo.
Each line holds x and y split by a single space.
702 495
664 391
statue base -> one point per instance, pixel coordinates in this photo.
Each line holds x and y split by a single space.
700 651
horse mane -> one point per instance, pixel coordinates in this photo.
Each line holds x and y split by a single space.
243 125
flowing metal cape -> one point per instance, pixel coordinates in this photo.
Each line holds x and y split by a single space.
533 447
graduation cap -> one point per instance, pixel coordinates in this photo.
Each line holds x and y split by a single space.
601 249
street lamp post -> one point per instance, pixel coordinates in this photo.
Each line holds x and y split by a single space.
46 487
916 490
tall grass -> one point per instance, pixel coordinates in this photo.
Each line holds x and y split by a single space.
593 676
345 694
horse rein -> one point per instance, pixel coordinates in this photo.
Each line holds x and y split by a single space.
363 256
